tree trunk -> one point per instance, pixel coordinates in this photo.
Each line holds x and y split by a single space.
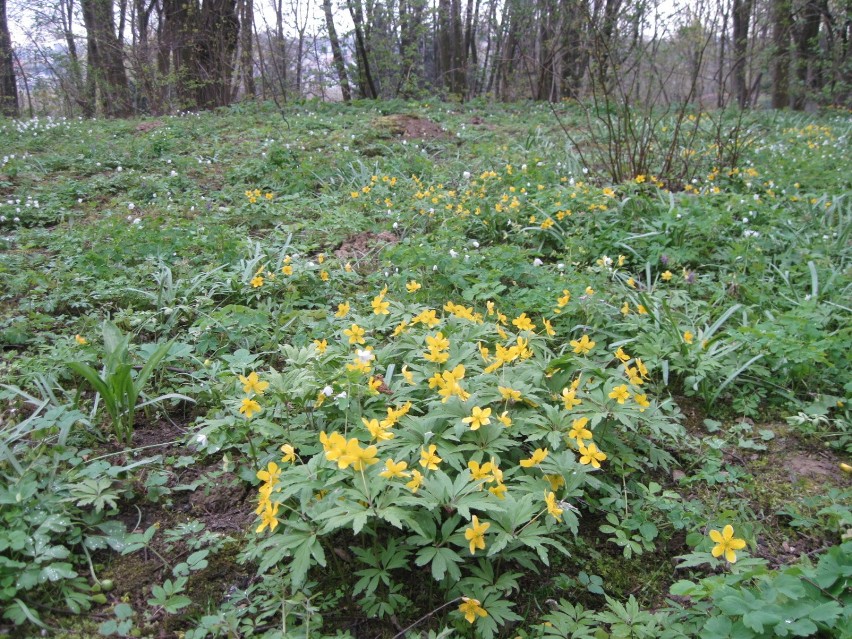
106 62
336 52
806 53
741 18
8 84
781 62
366 85
215 42
246 39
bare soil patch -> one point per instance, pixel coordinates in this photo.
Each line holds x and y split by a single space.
360 245
411 127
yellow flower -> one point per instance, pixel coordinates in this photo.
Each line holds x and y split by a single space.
569 399
287 269
321 258
499 491
377 430
252 384
478 417
412 286
642 400
342 309
548 328
622 259
355 334
625 308
470 608
394 469
249 407
408 375
688 337
348 267
538 456
256 281
509 394
566 297
640 308
643 370
552 509
321 345
437 357
373 385
621 355
633 375
427 317
480 473
269 517
380 306
504 419
289 453
333 445
357 457
579 431
590 291
400 328
80 340
416 480
591 455
556 481
619 393
667 275
726 543
582 346
324 276
437 343
523 323
429 459
476 534
639 179
271 474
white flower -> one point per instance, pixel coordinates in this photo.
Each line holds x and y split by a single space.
328 391
131 206
365 356
341 395
453 253
560 266
475 244
466 175
201 438
537 262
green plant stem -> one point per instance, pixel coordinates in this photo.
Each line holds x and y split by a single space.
424 618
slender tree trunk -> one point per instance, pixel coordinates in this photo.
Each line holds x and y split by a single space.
806 53
8 84
723 41
246 39
336 52
366 85
781 53
742 17
106 62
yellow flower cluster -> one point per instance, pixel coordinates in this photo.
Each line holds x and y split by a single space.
252 385
256 195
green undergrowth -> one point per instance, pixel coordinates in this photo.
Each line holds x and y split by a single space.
333 371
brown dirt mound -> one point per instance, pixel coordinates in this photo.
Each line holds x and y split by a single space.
362 244
144 127
411 127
